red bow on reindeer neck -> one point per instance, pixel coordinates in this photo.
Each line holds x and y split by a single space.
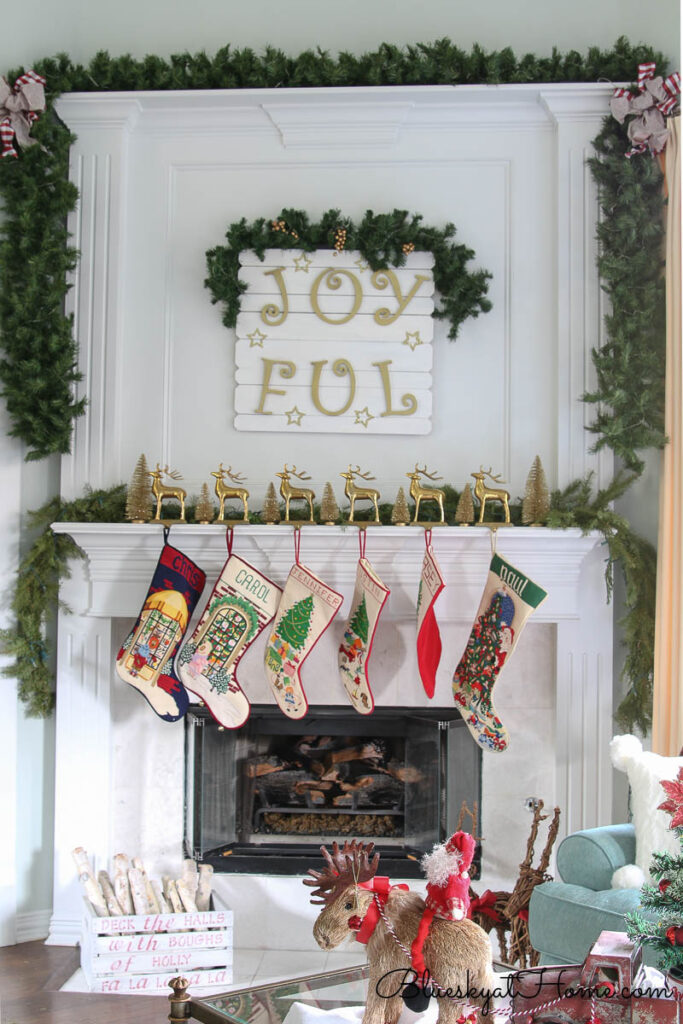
381 886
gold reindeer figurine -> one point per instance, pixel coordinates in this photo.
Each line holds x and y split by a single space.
297 493
419 493
161 491
484 493
224 491
354 493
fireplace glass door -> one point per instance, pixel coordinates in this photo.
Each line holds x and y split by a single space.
263 798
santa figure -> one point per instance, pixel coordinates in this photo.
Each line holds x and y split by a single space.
447 870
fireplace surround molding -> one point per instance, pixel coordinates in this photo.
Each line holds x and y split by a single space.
113 581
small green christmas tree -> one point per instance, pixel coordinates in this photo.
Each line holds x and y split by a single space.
139 494
271 508
204 511
400 514
464 513
359 624
296 623
536 503
665 899
329 509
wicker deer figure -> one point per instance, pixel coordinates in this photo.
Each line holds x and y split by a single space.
456 954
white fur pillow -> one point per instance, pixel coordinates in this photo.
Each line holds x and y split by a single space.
645 772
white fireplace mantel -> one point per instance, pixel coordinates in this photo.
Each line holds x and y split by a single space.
113 583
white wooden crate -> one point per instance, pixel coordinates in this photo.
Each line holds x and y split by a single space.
142 952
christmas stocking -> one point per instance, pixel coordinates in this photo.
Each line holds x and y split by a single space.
146 656
428 636
241 605
369 597
307 607
508 600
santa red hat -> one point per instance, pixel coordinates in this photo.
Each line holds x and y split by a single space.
448 879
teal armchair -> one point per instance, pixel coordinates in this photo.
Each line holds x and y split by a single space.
567 916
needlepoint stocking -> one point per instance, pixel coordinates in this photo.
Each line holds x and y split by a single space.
146 656
306 609
369 597
241 605
428 636
508 600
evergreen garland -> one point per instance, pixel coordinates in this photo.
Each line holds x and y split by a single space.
631 364
575 506
37 590
380 238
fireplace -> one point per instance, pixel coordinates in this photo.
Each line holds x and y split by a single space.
263 798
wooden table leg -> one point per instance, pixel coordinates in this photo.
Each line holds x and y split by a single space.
179 1000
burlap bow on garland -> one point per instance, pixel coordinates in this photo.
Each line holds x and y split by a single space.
20 106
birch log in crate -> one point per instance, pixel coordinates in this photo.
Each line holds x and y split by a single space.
327 345
137 934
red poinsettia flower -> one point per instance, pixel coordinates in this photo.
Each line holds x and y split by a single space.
674 805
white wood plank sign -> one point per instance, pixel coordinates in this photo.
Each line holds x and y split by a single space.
326 345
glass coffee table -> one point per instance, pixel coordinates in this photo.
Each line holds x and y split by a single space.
270 1004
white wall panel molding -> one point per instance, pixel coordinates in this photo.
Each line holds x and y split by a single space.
83 792
577 116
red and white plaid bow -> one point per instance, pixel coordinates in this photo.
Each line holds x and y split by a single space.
657 97
20 106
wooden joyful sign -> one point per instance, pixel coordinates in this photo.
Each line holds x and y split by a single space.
327 345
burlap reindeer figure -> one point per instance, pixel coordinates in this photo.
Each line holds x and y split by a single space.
386 917
521 953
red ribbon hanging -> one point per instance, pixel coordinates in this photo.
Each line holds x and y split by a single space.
485 904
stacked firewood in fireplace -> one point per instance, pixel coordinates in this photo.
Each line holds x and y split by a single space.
339 784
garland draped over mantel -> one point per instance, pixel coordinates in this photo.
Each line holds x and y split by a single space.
38 368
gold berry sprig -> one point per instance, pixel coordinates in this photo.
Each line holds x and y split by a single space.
339 239
408 247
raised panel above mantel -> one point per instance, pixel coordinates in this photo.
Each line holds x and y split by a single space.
162 175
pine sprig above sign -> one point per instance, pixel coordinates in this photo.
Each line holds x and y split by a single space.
383 239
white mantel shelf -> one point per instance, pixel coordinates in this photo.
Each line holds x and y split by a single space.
122 557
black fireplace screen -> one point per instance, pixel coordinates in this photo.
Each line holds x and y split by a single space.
264 797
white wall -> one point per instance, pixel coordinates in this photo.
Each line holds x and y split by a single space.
37 28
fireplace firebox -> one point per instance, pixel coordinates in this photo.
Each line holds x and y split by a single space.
263 798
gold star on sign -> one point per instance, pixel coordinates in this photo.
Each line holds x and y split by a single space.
361 264
256 338
302 263
294 417
363 416
417 340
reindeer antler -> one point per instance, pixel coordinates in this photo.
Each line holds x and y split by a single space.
430 476
364 476
300 476
343 867
237 477
173 473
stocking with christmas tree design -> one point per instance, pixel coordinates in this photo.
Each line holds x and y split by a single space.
369 597
241 605
306 609
428 636
508 600
146 657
